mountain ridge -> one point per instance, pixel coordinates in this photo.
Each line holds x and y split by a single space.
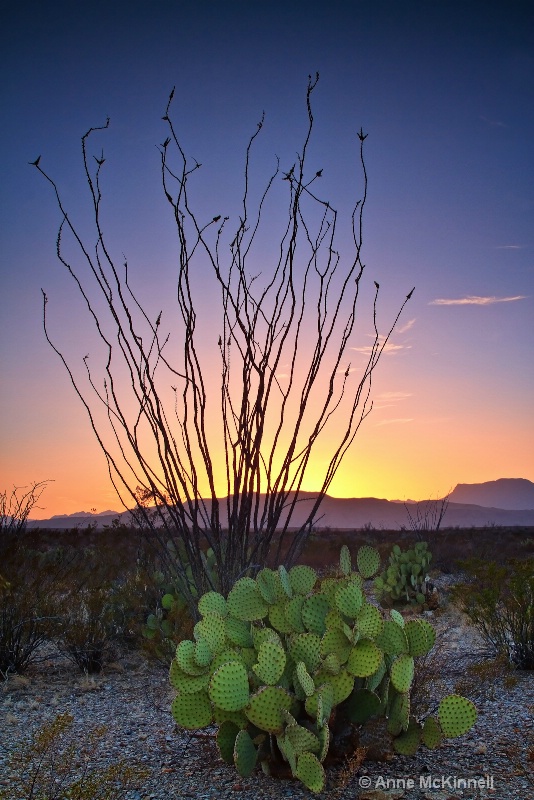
353 513
507 493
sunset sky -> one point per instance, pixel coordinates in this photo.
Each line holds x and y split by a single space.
445 92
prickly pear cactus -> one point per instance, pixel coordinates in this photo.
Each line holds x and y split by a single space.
404 579
287 660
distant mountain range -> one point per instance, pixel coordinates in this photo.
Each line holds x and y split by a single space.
505 502
511 493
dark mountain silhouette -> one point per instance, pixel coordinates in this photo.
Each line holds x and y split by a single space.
508 493
341 513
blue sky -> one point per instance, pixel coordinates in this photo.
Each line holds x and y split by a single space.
445 91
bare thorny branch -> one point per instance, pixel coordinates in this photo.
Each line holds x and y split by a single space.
301 318
16 506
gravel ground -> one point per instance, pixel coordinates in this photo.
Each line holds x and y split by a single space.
132 698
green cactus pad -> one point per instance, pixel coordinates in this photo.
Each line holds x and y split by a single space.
406 743
286 748
238 718
369 621
226 736
192 711
238 632
278 617
314 611
432 735
402 672
351 633
302 739
345 561
374 680
399 712
329 587
362 705
212 601
245 754
302 579
392 640
306 647
269 585
310 771
203 654
331 664
226 655
349 599
430 633
342 684
325 693
334 620
187 684
284 580
364 658
246 602
211 628
397 617
248 656
264 709
335 641
294 613
271 663
419 640
305 679
368 560
323 734
185 657
228 688
456 715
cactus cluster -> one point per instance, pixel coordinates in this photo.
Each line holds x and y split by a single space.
288 658
404 579
162 626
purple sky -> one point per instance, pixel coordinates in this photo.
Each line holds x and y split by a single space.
445 91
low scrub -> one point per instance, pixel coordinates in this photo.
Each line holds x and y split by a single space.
54 764
90 628
499 600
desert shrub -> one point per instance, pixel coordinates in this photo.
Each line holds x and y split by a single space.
405 578
55 764
485 677
499 600
293 668
90 628
21 634
28 607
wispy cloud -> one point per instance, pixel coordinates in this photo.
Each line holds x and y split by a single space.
509 247
408 326
389 349
474 300
494 123
389 399
394 421
394 395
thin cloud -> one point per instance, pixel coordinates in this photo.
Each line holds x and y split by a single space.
394 395
401 421
389 399
389 349
475 300
409 325
493 123
509 247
